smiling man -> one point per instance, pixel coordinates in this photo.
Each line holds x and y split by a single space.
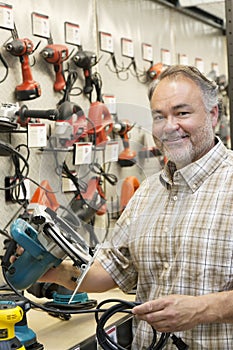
183 118
174 240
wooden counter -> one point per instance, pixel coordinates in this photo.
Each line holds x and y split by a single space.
57 334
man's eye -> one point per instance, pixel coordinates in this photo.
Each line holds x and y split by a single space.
182 114
157 117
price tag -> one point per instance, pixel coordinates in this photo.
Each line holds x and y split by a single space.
166 57
127 48
183 59
111 151
82 153
40 25
199 64
147 52
106 42
72 34
37 136
6 16
110 101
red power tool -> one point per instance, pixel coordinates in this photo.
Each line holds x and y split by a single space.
56 54
129 186
100 122
71 124
127 157
22 48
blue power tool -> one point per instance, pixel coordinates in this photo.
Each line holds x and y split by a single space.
49 241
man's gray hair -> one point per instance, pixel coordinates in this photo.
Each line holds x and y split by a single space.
209 88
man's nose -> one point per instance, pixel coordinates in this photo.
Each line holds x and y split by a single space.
171 124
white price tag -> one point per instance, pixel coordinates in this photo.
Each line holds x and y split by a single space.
40 25
6 16
127 48
199 64
37 136
111 151
166 57
82 153
106 42
183 59
110 101
72 34
147 52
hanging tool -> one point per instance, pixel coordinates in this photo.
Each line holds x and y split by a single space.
56 54
71 124
155 70
7 117
100 123
86 60
22 48
128 188
10 314
127 157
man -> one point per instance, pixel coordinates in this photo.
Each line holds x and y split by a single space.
174 240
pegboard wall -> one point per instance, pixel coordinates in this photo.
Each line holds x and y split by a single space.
169 34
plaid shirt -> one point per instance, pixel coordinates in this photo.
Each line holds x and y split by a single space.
176 237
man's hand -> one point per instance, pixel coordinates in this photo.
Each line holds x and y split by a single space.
172 313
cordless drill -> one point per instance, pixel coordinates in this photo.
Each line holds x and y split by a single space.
86 60
10 314
56 54
127 157
22 48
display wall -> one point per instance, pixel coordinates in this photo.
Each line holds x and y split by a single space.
141 21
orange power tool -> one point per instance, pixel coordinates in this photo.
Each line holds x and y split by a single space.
56 54
22 48
127 157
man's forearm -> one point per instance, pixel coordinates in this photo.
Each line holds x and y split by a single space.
66 274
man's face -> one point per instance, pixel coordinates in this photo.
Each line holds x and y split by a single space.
182 128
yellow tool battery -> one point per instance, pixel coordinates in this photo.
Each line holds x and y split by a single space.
10 314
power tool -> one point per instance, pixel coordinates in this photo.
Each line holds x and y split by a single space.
10 314
22 48
86 60
12 116
7 117
155 70
56 54
100 123
127 157
26 335
71 124
44 247
128 188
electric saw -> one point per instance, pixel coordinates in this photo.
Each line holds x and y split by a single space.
47 240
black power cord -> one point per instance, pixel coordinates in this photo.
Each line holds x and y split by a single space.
105 341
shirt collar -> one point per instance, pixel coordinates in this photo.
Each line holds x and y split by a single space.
197 172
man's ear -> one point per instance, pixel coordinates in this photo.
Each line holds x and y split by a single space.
214 115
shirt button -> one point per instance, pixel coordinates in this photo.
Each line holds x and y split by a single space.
166 265
166 229
175 198
194 186
127 221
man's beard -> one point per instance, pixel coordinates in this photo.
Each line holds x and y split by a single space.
195 148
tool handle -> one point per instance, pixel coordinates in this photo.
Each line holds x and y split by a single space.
60 82
24 113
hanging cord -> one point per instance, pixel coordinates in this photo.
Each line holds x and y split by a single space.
97 169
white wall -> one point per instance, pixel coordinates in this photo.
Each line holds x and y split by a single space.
139 20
